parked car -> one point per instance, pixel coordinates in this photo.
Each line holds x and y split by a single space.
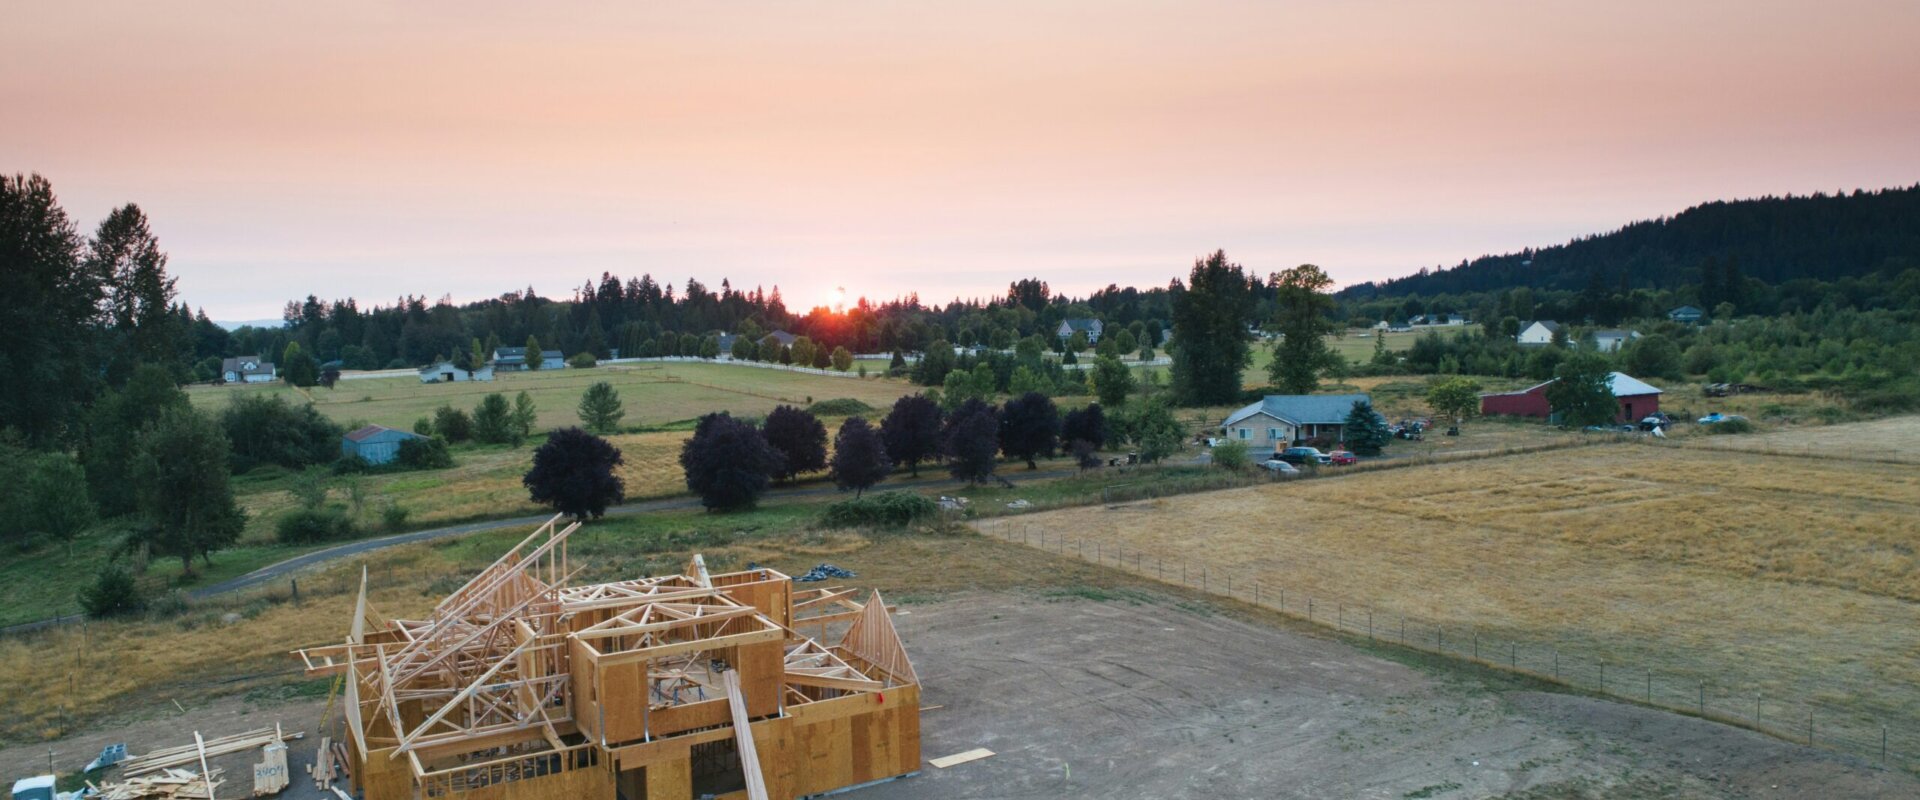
1278 467
1303 456
1717 417
1342 458
1656 420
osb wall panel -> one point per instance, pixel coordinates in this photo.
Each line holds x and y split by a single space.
671 779
382 777
590 783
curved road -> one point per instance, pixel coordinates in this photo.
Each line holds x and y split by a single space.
316 558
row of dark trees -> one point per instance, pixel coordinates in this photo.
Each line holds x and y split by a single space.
730 462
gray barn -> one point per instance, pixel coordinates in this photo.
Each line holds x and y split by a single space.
375 444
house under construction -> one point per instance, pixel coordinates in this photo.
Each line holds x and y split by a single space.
523 685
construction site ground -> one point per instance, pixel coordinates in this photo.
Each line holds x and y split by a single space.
1138 691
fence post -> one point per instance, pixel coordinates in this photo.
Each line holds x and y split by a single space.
1369 624
1339 615
1809 727
1476 644
1403 630
1756 709
1556 665
1883 745
1513 656
1703 698
1256 593
1309 609
1203 577
1649 686
1603 677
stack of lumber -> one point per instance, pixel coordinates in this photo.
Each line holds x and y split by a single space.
170 784
322 768
190 754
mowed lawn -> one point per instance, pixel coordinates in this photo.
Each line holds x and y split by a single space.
1755 575
654 393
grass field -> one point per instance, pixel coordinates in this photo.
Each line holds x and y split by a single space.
655 394
1755 575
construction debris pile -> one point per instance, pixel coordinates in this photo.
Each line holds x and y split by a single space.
823 572
666 686
169 784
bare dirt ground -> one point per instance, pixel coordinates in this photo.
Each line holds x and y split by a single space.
1123 693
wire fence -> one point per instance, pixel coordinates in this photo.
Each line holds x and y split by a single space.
1792 716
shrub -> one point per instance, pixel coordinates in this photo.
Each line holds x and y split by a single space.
1231 456
114 593
493 421
393 518
351 465
883 509
310 525
424 454
582 360
452 424
1731 426
266 429
839 407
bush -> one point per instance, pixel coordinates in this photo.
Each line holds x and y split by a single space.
1231 456
1731 426
310 525
884 509
351 465
393 518
583 360
424 454
839 407
452 424
266 429
114 593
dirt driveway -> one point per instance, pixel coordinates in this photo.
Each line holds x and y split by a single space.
1136 693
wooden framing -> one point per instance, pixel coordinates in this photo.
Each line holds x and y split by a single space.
521 685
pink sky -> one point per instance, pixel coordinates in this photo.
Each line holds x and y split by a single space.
376 150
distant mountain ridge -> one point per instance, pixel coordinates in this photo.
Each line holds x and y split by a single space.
1774 239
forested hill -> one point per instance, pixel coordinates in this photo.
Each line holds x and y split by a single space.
1774 239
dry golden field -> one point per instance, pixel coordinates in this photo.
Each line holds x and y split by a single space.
1894 440
1755 574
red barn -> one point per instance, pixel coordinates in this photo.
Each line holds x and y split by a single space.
1637 399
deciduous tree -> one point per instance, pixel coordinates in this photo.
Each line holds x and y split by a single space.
728 462
1302 353
180 479
1085 425
912 431
1029 428
859 456
799 437
973 442
1112 380
573 472
1582 391
1455 398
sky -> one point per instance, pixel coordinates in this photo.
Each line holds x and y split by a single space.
468 149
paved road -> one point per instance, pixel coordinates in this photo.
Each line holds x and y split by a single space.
274 572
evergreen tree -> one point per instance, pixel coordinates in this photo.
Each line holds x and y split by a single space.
535 359
1210 318
297 368
574 474
1366 430
47 309
493 421
180 481
126 258
799 437
912 431
859 456
52 508
1302 353
601 409
524 415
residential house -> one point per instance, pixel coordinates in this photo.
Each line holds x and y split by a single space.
246 369
446 372
1280 420
1636 397
375 444
1538 332
1611 341
1687 315
786 339
1090 327
514 359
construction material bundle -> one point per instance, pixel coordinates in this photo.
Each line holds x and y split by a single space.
190 754
169 784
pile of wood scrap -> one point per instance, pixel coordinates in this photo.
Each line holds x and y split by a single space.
169 784
329 763
190 754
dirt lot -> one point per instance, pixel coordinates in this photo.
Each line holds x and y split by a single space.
1130 692
1732 575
